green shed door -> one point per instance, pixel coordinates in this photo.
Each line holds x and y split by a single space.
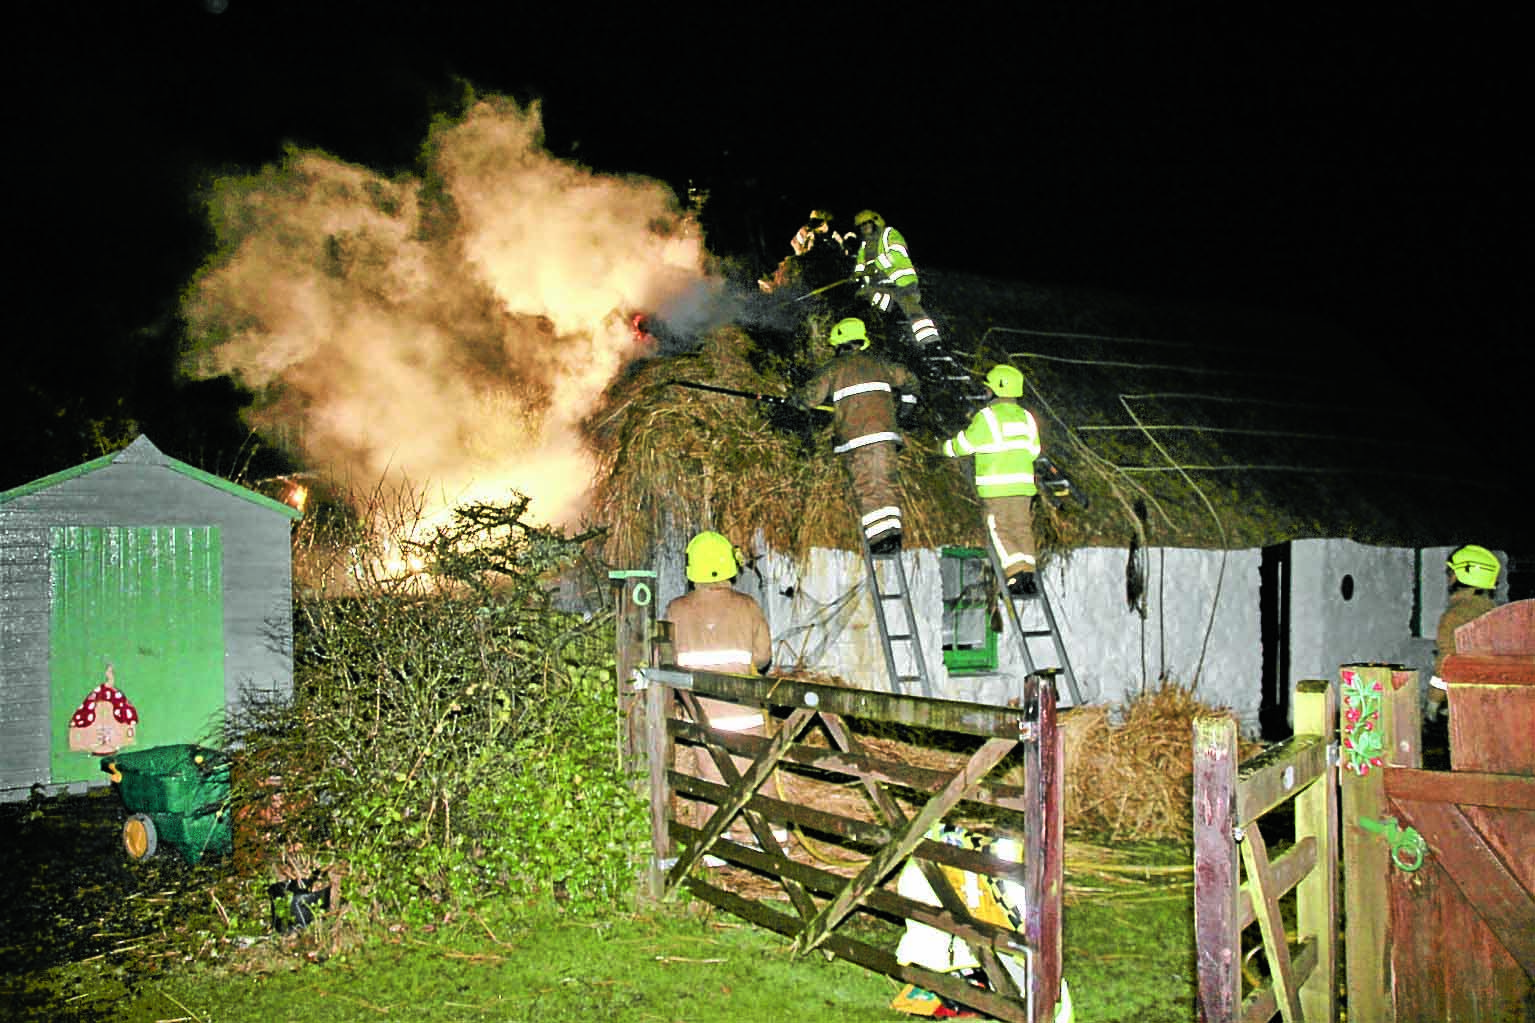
149 602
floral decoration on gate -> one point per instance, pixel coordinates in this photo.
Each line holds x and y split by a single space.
1362 745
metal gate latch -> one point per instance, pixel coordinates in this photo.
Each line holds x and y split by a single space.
1407 846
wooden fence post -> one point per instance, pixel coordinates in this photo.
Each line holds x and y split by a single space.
634 598
1316 815
1217 894
1379 726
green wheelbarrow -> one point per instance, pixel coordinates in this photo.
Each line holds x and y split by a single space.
178 795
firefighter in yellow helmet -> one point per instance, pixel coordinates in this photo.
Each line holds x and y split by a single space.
717 628
885 273
865 392
1471 573
1004 439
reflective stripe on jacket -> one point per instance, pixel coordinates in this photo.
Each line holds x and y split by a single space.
716 628
889 262
862 389
1004 438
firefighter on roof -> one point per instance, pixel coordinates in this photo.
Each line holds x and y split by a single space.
886 274
1004 439
865 391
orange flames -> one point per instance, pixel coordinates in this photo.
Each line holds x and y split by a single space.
445 339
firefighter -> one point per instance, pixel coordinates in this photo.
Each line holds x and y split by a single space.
886 274
1004 438
865 392
1471 573
816 230
717 628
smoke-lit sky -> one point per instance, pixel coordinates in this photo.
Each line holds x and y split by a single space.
1365 167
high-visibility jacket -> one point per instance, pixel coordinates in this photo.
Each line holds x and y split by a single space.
887 262
1004 438
863 390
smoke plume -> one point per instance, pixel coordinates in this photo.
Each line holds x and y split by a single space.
445 332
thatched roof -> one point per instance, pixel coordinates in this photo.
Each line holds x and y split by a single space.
670 455
1183 440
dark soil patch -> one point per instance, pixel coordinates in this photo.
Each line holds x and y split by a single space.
69 893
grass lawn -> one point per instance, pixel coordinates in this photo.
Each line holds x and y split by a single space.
1128 956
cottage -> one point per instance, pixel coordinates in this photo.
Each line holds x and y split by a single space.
1231 546
141 601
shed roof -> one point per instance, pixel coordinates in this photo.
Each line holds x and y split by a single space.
143 452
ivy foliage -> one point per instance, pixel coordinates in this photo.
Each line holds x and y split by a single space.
451 740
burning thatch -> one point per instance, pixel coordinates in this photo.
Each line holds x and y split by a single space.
693 459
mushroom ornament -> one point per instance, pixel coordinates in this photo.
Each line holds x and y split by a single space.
104 722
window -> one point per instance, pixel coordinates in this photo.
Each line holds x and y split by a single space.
969 635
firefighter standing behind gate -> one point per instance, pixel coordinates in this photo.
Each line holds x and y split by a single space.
715 627
864 391
1004 438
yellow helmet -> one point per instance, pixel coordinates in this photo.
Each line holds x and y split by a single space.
820 215
1005 381
847 331
711 558
869 217
1474 566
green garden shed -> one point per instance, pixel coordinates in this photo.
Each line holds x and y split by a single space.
142 601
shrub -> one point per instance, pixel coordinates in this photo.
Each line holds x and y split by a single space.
452 734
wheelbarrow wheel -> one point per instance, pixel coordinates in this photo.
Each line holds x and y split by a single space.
139 837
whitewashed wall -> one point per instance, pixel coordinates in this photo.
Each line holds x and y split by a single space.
1202 625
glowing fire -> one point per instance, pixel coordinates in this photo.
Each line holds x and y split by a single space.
442 341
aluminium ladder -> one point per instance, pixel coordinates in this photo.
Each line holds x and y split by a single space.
898 592
1039 597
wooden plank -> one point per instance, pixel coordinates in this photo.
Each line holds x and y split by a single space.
917 711
658 758
1262 1003
1489 669
1316 830
1484 880
1491 728
1276 946
1366 859
1466 788
1509 629
882 862
634 601
1051 886
1218 939
1286 872
1419 942
1265 781
859 765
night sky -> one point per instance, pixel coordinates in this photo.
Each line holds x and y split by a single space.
1355 167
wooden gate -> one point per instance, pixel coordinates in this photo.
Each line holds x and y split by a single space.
829 770
1440 865
1232 803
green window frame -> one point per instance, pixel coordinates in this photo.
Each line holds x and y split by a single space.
969 641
